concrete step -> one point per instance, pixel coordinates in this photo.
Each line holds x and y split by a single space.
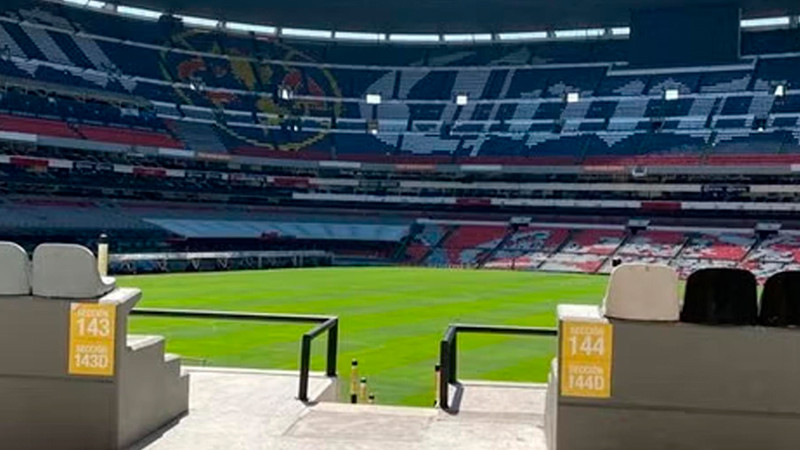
172 364
388 427
146 352
175 396
500 400
152 382
137 342
245 408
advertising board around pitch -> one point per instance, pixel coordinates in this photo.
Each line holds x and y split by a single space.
92 331
586 350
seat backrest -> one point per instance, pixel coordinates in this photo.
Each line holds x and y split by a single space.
67 271
780 300
643 292
721 296
14 270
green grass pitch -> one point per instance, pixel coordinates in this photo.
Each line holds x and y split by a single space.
391 320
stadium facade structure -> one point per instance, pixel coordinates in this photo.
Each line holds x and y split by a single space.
531 156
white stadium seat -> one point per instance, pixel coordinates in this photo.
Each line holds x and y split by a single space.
68 271
646 292
14 270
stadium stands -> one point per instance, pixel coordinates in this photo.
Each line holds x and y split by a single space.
527 248
620 119
579 263
95 104
725 247
594 242
777 249
660 244
466 245
37 126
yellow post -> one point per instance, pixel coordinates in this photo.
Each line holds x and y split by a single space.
354 381
102 255
437 381
362 395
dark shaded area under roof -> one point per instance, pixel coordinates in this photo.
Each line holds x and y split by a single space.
446 16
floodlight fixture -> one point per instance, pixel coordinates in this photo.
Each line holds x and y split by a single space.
284 93
573 97
671 94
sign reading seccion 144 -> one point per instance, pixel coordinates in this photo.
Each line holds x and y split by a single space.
91 339
586 349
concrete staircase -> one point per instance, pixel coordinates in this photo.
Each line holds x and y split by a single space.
258 409
152 383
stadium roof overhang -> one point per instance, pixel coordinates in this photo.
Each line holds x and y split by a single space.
442 16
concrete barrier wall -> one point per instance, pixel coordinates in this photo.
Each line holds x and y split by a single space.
681 386
42 406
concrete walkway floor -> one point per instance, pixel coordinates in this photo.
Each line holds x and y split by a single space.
245 409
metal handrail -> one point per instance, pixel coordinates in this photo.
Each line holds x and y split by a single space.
325 323
448 349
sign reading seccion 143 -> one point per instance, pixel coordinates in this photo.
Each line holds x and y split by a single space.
91 339
586 349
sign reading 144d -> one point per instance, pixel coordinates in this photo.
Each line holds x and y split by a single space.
91 339
586 359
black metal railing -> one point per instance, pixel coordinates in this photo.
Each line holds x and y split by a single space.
448 350
325 323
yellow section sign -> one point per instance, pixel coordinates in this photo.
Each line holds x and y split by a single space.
586 359
91 339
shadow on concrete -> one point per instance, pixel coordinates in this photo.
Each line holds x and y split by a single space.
155 435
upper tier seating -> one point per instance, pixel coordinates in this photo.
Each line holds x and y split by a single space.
37 126
714 121
127 136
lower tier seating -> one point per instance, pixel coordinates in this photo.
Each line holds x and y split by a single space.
581 263
724 246
780 248
664 244
527 248
594 242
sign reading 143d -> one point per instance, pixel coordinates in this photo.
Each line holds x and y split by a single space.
586 359
91 339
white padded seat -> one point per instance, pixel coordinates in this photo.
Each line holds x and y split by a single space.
647 292
14 270
68 271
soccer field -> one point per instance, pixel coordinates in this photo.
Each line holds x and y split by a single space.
391 320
